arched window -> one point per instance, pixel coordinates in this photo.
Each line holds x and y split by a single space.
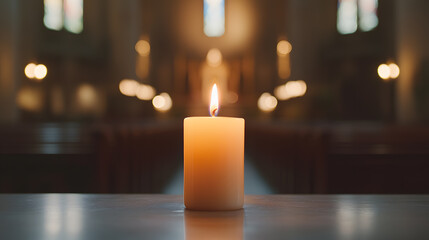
354 14
368 18
214 18
67 14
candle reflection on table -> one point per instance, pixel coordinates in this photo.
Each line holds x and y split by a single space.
63 216
355 218
214 225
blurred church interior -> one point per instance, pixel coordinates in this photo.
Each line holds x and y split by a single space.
335 93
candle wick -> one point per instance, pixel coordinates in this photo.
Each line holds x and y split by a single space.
214 112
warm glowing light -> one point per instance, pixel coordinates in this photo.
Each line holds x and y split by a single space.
87 96
158 102
40 71
214 18
303 87
267 102
384 71
143 48
290 90
283 48
145 92
232 97
296 88
162 102
128 87
214 102
57 100
394 70
283 62
29 70
214 57
30 99
281 93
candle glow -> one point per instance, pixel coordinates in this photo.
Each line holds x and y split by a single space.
214 102
213 161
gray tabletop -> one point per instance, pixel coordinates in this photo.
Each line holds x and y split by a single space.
83 216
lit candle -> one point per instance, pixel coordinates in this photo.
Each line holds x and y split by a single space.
214 161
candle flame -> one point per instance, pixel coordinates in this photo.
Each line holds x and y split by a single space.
214 102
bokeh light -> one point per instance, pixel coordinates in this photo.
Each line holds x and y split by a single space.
290 89
303 87
40 71
296 88
145 92
128 87
383 71
214 57
232 97
394 70
30 99
281 93
162 102
87 96
143 48
267 102
29 70
283 48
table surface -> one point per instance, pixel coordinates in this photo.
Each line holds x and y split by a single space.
140 216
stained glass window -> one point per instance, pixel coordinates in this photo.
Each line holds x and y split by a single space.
347 16
67 14
53 18
352 14
368 18
214 18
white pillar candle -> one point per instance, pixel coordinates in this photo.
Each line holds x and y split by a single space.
213 161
